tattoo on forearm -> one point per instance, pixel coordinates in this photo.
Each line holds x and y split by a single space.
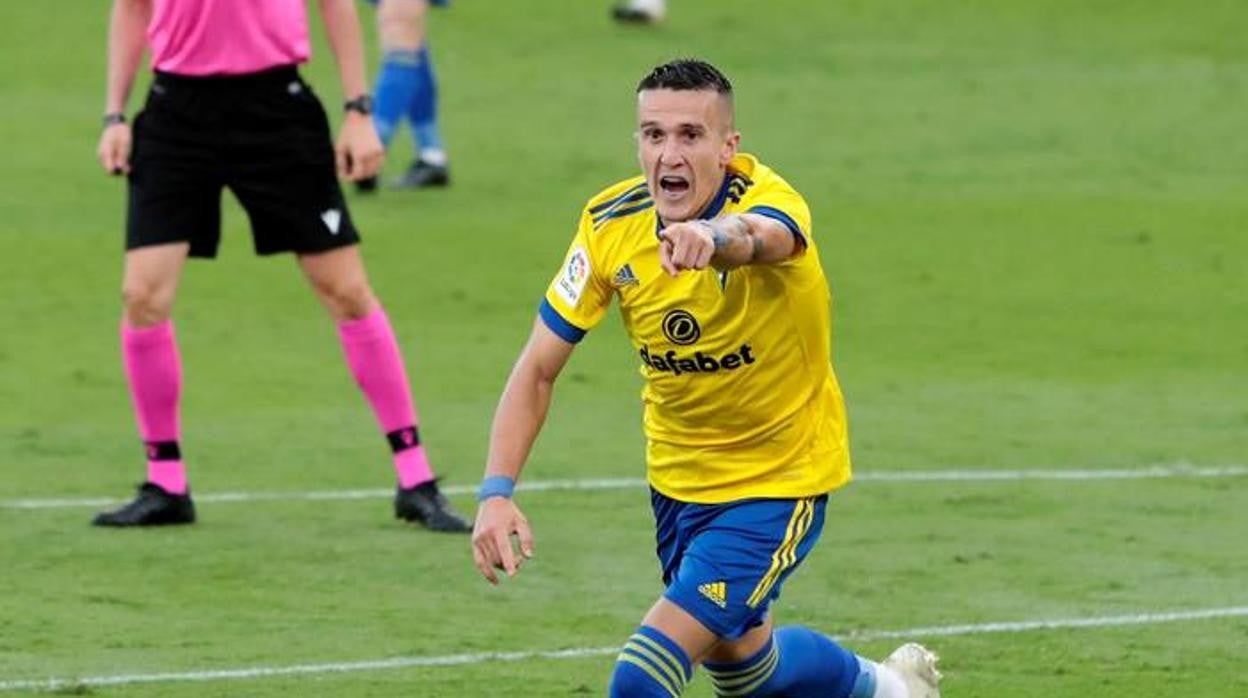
718 237
732 229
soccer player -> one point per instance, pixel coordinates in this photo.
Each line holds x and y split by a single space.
712 258
227 108
408 89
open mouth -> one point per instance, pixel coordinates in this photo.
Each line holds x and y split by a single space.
673 185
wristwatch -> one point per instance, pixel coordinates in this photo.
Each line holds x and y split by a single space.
113 118
362 104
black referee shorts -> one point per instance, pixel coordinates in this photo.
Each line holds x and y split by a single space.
264 135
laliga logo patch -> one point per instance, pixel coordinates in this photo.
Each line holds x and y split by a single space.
575 273
680 327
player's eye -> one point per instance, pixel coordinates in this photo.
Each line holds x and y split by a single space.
653 135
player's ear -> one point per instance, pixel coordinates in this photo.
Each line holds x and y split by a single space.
731 145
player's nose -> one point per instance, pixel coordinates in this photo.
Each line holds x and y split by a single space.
670 155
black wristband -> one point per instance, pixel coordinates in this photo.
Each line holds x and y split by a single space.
362 104
113 118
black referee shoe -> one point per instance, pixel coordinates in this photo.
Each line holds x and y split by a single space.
152 507
423 175
425 505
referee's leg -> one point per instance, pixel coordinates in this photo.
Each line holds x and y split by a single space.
373 355
153 370
150 282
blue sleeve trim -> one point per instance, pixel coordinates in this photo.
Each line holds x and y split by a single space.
566 330
778 215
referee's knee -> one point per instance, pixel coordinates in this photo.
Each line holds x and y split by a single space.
146 303
347 300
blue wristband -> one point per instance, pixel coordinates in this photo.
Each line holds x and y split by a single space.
496 486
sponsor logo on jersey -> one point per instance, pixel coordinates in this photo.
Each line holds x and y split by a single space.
681 327
671 362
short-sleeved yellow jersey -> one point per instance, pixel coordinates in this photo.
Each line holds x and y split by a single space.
740 397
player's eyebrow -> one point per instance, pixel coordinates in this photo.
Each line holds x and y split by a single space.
684 126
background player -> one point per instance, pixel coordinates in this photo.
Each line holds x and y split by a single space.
723 296
227 108
408 89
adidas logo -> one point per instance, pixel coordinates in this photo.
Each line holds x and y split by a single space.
625 277
716 592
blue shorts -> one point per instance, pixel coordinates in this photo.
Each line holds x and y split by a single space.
725 563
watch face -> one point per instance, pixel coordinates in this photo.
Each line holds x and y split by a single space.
362 104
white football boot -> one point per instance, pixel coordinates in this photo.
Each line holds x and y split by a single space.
916 665
641 11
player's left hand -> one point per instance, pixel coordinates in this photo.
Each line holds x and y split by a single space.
359 151
498 519
687 245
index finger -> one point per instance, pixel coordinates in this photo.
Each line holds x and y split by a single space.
486 569
665 258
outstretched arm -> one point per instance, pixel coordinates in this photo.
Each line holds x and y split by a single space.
517 421
726 242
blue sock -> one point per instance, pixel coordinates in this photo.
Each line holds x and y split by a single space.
396 87
422 105
798 663
650 666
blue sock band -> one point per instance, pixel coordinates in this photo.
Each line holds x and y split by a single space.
864 685
422 105
745 678
797 663
397 85
650 666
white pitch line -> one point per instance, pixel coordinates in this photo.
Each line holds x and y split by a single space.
885 476
576 653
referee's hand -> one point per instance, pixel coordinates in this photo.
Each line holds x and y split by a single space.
359 152
114 149
498 519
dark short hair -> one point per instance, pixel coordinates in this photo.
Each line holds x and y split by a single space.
686 74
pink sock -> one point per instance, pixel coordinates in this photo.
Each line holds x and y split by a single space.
373 355
154 374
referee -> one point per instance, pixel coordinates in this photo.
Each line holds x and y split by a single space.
227 108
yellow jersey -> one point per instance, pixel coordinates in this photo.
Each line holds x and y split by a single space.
740 397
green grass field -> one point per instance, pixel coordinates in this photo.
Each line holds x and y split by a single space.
1033 217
